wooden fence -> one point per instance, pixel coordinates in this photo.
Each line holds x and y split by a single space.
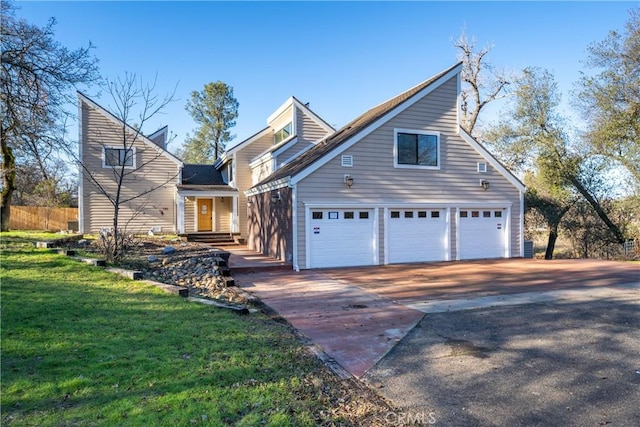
42 218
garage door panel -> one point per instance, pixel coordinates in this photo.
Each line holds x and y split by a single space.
416 235
341 237
482 233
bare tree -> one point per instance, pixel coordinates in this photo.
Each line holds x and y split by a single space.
133 102
36 78
482 83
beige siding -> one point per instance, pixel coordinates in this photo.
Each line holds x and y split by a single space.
154 172
262 169
293 151
223 211
308 130
190 215
281 120
244 176
377 182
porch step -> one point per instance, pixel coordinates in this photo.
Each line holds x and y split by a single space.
214 238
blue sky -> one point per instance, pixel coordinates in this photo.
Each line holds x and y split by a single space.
341 57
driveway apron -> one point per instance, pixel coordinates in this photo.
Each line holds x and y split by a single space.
354 327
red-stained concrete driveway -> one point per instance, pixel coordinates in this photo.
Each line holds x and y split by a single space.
358 314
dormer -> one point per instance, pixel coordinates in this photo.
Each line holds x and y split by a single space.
160 137
282 122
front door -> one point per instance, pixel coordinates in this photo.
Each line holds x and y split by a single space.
205 206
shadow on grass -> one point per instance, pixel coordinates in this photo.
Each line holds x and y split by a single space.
80 344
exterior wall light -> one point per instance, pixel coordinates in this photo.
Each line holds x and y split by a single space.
348 179
484 184
275 197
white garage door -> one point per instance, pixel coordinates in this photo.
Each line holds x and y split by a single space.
416 235
482 233
341 237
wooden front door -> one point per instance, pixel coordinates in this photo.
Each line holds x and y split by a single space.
205 206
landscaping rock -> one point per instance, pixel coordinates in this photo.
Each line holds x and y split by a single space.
152 258
168 250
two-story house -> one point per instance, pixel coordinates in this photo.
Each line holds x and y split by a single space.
403 182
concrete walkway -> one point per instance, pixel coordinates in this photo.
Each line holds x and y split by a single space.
354 327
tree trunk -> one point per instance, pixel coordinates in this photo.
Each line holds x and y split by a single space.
8 183
551 243
599 211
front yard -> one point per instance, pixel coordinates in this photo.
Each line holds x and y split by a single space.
83 347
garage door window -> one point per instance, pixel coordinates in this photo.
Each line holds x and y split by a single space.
317 215
475 214
463 214
364 215
408 214
422 214
497 214
348 215
395 214
333 215
435 214
486 214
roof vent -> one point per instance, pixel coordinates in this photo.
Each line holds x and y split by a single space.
347 161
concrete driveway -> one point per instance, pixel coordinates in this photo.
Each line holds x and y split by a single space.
358 314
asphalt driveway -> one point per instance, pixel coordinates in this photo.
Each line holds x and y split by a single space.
566 362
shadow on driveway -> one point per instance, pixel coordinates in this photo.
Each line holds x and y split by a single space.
558 363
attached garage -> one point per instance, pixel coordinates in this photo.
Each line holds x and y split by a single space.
482 233
341 237
416 235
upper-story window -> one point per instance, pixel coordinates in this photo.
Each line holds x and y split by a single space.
119 157
283 133
417 149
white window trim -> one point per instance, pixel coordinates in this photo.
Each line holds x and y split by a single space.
416 132
291 134
104 157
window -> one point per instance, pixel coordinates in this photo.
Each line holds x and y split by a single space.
482 167
348 215
333 215
422 214
119 157
497 214
316 215
283 133
347 161
435 214
395 214
475 214
417 149
463 214
230 172
408 214
486 214
364 215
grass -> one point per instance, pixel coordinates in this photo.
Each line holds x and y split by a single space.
83 347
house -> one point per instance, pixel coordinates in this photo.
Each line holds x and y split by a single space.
403 182
176 197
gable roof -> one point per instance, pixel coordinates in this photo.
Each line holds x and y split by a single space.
359 127
108 114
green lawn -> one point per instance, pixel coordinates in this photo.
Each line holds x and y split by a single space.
83 347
